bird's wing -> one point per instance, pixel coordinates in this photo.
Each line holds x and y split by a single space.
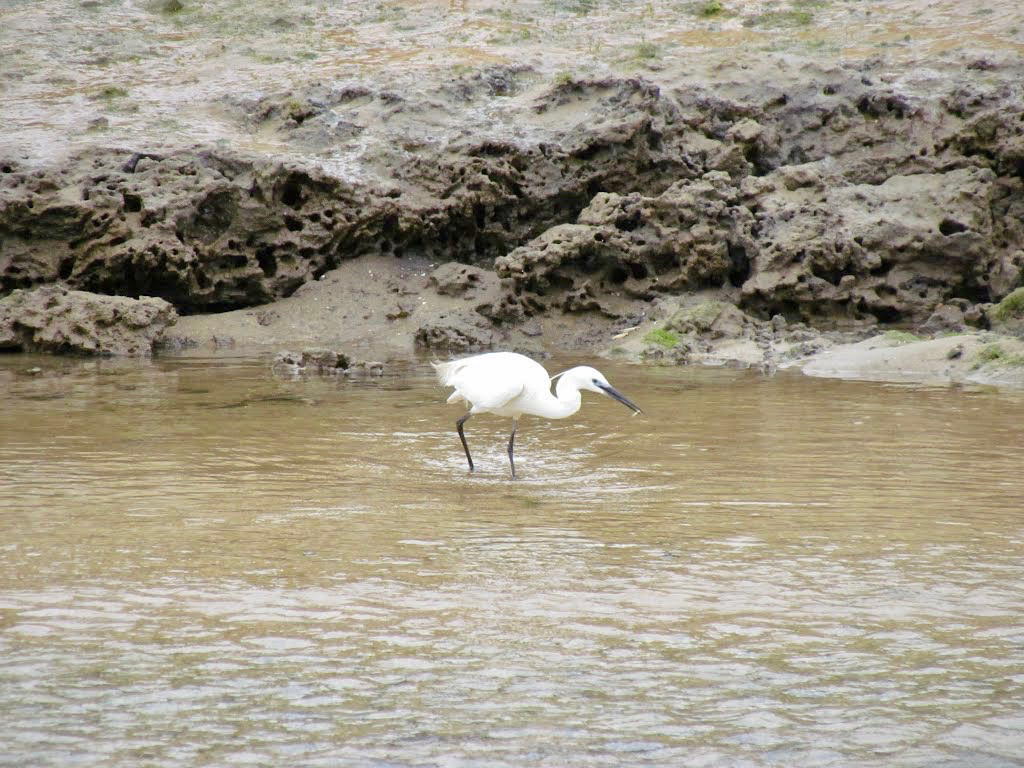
492 380
486 388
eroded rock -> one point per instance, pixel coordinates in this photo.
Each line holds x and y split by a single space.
891 251
55 319
693 235
945 318
455 332
825 194
202 231
454 279
714 320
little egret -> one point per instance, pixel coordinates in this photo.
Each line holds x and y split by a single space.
509 384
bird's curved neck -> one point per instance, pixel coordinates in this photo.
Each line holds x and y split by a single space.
566 400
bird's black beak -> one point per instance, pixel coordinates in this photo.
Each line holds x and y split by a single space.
612 392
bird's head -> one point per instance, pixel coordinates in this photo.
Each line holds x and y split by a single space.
585 377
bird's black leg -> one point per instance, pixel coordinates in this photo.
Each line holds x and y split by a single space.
462 437
511 440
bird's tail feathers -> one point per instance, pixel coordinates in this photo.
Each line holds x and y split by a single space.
445 370
439 370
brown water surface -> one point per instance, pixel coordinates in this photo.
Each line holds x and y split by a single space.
201 564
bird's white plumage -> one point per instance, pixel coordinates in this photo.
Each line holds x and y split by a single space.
509 384
491 383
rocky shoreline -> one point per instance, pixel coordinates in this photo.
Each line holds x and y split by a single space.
770 211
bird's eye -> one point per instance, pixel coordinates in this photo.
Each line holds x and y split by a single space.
596 381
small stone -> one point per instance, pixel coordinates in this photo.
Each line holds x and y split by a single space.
745 131
532 327
288 358
401 308
455 279
943 319
977 315
324 362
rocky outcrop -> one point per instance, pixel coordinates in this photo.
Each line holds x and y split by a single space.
888 252
210 231
205 231
694 235
801 242
1008 315
457 331
55 319
824 194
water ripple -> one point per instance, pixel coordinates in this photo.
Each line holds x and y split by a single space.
785 572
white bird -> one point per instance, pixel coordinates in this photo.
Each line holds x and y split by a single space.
509 384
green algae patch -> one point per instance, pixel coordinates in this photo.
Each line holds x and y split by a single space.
901 337
1010 308
663 337
994 353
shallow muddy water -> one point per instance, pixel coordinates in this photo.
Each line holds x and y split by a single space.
201 564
